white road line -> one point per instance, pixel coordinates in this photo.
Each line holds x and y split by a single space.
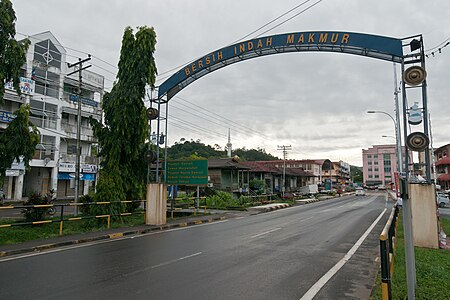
311 293
263 233
89 244
175 260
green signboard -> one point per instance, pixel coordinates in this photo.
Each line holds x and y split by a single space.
187 172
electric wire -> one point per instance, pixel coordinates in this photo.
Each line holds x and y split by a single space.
227 121
254 31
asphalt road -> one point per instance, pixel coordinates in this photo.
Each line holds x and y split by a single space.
276 255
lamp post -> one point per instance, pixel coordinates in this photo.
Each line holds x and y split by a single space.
407 214
397 138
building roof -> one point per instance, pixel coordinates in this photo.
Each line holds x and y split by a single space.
226 163
444 177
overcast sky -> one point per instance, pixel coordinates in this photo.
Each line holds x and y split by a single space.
315 102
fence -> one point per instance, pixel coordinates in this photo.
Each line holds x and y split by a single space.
62 218
186 203
387 247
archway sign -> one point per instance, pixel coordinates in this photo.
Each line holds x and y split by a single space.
380 47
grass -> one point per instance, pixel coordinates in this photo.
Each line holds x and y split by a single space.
432 271
20 234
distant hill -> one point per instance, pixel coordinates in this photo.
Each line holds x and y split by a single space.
196 149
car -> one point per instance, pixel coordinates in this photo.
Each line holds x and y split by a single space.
360 192
381 187
442 200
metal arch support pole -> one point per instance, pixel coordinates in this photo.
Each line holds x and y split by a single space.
398 135
149 163
425 116
157 142
407 213
165 143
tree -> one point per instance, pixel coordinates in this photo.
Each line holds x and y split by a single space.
19 140
12 52
122 138
254 154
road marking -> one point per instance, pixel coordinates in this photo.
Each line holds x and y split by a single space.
325 278
175 260
88 244
263 233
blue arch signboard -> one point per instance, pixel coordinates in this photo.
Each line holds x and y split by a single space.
375 46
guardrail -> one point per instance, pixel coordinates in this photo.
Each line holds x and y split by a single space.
63 219
387 247
191 204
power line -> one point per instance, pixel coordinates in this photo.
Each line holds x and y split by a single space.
227 121
254 31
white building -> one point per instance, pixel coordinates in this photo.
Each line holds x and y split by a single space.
53 99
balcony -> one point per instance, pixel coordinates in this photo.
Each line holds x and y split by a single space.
86 133
85 159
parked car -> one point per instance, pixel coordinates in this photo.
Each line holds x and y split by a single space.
359 191
381 187
442 200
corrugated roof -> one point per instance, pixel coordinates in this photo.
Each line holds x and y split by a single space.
226 163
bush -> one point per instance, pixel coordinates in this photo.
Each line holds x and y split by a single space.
33 214
222 200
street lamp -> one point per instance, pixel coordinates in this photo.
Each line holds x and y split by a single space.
407 219
397 138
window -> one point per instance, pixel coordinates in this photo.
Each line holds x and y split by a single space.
375 156
369 156
71 148
376 170
369 163
387 169
387 156
377 176
370 170
375 163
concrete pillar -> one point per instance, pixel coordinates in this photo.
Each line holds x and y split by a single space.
423 215
54 179
19 187
156 204
9 192
86 186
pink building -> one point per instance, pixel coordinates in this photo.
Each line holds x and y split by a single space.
379 165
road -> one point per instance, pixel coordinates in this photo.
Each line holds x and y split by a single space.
276 255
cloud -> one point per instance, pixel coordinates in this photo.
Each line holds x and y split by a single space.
316 102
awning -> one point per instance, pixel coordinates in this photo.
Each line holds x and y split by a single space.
444 177
443 161
69 176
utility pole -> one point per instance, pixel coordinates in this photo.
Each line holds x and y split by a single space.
77 164
285 150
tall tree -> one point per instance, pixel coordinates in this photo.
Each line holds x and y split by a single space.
12 52
122 138
19 140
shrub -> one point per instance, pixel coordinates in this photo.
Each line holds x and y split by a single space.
222 200
33 214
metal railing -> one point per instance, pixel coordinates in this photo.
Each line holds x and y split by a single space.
62 218
387 247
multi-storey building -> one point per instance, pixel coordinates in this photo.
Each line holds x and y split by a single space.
53 100
380 165
442 163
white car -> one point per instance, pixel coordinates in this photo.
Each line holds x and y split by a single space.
442 199
360 192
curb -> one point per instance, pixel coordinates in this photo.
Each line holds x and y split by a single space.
110 236
267 208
